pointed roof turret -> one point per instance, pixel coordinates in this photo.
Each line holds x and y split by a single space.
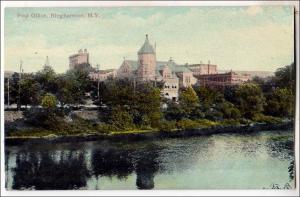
147 48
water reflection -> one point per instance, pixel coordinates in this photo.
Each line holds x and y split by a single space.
204 159
41 171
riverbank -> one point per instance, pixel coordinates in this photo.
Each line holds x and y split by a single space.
152 134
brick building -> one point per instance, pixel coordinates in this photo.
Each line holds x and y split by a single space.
80 58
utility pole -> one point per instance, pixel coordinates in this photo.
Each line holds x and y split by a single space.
98 84
19 97
8 92
134 86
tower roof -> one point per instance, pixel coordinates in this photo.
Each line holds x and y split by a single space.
147 48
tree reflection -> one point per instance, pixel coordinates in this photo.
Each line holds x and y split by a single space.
42 171
112 162
120 162
146 167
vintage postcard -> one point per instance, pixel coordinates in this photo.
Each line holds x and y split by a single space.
141 96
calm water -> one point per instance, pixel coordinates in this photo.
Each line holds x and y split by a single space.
228 161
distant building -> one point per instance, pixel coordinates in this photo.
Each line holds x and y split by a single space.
103 75
79 59
202 69
147 68
221 80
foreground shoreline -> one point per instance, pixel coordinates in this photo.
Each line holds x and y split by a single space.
153 134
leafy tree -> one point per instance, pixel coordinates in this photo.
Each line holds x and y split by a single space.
147 100
250 99
77 83
142 101
280 102
30 90
208 97
174 111
229 110
121 119
47 80
286 77
188 100
49 101
229 94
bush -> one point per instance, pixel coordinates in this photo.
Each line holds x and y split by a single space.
187 124
121 119
214 114
166 125
229 122
42 118
206 123
105 128
265 119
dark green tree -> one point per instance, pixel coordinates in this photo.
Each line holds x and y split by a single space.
280 103
250 99
188 100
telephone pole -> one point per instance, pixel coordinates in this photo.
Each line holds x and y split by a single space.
98 84
20 77
8 92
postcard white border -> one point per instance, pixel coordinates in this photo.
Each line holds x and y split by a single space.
148 192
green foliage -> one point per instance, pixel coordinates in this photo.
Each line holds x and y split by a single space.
206 123
250 99
230 122
266 119
47 80
166 125
209 97
188 100
213 114
141 101
285 77
229 110
44 118
30 90
174 111
280 103
187 124
49 101
121 119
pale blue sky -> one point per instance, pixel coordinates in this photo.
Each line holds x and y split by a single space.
238 38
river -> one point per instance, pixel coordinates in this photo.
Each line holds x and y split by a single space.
222 161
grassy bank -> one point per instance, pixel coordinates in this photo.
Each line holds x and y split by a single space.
81 127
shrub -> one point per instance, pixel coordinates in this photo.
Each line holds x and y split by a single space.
187 124
42 118
230 122
121 119
166 125
206 123
214 114
105 128
265 119
49 101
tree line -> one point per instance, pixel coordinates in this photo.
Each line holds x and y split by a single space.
124 104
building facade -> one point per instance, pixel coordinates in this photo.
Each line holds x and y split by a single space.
147 68
103 75
221 80
80 58
203 69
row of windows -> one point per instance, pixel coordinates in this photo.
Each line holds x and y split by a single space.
173 86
